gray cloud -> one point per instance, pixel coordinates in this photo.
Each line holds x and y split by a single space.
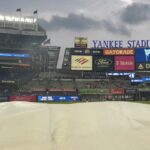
116 29
71 22
81 23
136 13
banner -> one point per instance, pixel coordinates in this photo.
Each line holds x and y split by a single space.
117 91
146 79
77 51
23 98
86 51
96 52
124 63
129 74
105 63
7 81
81 62
61 90
130 91
80 42
123 51
15 55
58 98
142 66
142 55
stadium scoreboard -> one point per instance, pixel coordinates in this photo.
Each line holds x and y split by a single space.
110 59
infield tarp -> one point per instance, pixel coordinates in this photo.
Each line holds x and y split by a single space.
89 126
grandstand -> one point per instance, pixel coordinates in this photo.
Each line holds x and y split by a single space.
21 56
95 74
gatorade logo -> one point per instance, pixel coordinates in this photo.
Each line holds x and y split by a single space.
140 67
81 60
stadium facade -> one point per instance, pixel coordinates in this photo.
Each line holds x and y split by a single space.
22 55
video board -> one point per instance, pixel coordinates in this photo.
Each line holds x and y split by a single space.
115 59
123 51
142 55
124 63
80 42
81 62
143 66
103 63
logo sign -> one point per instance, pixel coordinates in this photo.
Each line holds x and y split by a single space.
146 79
147 54
103 63
124 63
142 54
137 81
122 51
14 55
58 98
131 91
81 62
117 91
8 81
45 98
142 66
130 75
87 51
80 42
120 43
77 51
23 98
96 51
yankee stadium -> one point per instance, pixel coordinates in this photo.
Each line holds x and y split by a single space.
73 78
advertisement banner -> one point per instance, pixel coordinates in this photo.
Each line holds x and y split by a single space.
143 66
23 98
105 63
15 55
61 90
142 55
117 91
124 63
7 81
146 79
81 62
137 81
122 51
96 52
77 51
86 51
58 98
80 42
130 91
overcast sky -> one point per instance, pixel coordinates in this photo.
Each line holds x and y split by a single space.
94 19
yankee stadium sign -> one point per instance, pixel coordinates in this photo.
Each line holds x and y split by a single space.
120 43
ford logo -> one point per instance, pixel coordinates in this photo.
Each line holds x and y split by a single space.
103 61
